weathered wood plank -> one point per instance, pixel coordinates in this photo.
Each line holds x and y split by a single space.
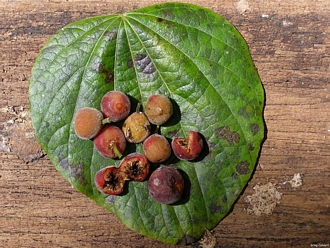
290 44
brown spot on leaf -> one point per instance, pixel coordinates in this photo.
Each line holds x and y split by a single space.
243 112
130 64
250 147
164 22
255 128
215 208
111 35
172 133
108 75
243 168
232 137
234 176
211 145
75 171
111 199
144 64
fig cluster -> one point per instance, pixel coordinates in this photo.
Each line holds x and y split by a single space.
114 125
111 179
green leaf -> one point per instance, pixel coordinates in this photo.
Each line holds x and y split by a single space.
192 55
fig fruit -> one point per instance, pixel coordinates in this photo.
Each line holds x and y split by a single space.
87 123
156 148
110 142
110 180
166 185
135 166
158 109
187 148
115 106
136 127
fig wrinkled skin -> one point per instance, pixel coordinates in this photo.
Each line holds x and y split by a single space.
166 185
135 167
187 148
110 180
136 127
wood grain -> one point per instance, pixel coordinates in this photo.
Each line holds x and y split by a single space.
290 44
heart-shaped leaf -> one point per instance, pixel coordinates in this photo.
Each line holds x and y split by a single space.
188 53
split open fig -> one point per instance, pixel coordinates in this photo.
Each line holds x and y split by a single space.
135 167
187 148
110 180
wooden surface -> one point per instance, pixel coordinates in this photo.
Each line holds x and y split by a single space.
290 44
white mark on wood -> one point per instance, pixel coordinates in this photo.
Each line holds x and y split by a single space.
241 6
208 240
17 135
264 200
296 181
286 23
260 167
